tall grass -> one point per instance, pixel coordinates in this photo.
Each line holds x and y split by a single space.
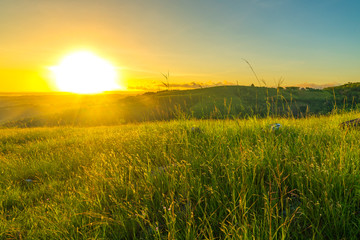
184 179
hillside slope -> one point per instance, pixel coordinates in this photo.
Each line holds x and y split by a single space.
207 103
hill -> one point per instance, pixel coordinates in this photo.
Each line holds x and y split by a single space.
207 103
347 95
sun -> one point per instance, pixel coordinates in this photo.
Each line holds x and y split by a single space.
85 73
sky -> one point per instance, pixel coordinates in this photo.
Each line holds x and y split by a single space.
198 42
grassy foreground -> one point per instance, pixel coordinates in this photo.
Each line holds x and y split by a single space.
225 179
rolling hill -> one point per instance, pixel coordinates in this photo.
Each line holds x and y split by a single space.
206 103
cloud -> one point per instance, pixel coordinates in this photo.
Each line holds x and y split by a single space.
155 86
317 86
194 85
178 86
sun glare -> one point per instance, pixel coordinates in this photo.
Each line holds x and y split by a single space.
85 73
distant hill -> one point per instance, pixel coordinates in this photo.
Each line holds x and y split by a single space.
347 95
207 103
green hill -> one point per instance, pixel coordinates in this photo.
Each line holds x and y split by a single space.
347 95
207 103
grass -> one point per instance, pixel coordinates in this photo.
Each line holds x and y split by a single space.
219 102
184 179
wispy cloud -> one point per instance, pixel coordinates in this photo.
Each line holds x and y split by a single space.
193 85
180 86
318 86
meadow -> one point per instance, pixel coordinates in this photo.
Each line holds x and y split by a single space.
183 179
221 102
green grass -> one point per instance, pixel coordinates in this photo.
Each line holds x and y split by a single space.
221 102
224 179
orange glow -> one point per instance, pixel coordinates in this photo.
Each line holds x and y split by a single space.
85 73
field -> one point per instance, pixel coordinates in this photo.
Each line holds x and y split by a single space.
221 102
182 179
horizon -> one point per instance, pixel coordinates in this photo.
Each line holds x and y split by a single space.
199 44
136 92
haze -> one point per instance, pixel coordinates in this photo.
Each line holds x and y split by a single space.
200 43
